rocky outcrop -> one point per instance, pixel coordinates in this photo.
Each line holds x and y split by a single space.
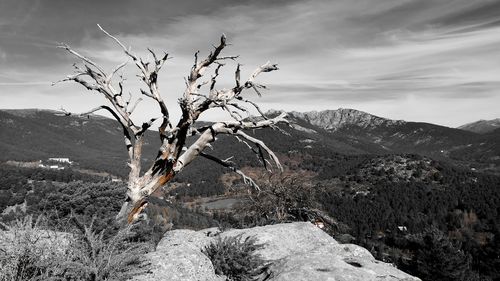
299 251
332 120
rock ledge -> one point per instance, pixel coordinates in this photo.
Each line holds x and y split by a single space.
300 251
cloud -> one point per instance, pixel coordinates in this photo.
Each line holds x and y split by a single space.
3 55
330 53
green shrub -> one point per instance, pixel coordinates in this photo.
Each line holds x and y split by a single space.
236 258
30 252
92 256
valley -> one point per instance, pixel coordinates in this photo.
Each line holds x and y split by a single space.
412 193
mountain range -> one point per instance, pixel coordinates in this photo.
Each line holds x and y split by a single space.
96 142
362 132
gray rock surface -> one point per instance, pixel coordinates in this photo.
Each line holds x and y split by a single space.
178 256
300 251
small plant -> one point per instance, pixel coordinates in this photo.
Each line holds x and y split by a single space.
28 251
92 256
236 258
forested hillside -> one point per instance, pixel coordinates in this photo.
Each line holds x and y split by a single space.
431 218
419 195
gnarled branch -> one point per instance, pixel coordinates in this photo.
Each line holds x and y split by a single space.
173 155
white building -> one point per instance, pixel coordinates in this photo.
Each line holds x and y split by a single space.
402 228
61 160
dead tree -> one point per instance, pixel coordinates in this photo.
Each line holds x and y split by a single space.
199 96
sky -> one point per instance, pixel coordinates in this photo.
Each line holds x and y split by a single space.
434 61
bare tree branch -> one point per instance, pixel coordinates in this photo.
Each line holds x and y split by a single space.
117 68
230 165
83 58
173 155
261 145
149 77
135 105
126 134
101 83
230 128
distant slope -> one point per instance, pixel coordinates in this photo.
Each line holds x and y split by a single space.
361 131
39 134
482 126
97 142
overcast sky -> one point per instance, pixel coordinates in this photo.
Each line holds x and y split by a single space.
435 61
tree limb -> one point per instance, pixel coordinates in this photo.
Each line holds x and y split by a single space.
230 128
149 77
126 134
230 165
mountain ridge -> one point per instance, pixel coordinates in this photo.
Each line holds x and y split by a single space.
33 134
332 120
482 126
